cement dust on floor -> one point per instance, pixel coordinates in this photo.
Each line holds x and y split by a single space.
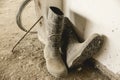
27 61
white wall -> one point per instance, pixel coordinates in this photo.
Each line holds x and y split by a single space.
103 17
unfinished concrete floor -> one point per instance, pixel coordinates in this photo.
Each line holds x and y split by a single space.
27 62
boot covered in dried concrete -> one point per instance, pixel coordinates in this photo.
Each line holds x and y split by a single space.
42 7
77 52
52 52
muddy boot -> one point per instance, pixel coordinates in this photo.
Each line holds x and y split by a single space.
41 8
52 52
76 52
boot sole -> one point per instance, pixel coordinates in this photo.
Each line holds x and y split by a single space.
91 46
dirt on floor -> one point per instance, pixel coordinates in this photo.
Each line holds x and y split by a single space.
27 61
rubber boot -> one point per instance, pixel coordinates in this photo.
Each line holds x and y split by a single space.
42 7
52 52
77 52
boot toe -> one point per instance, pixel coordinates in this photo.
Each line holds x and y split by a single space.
57 68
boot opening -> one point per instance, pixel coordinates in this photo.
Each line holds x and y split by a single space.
56 10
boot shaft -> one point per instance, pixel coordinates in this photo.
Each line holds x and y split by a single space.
55 21
54 27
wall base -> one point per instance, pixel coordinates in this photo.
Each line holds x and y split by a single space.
103 69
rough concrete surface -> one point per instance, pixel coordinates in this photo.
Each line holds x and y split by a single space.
27 62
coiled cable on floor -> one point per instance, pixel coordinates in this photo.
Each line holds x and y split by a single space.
18 17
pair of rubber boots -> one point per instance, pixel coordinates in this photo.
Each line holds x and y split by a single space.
62 44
